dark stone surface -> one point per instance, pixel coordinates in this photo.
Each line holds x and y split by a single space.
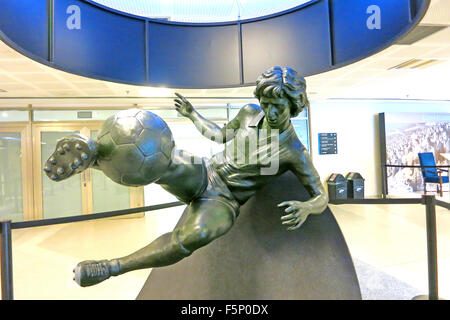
259 259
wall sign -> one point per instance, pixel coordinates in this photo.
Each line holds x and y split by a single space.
327 143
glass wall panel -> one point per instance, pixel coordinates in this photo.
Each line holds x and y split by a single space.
77 115
13 116
63 198
302 130
166 113
10 177
208 113
72 115
216 113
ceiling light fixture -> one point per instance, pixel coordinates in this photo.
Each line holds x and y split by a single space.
416 64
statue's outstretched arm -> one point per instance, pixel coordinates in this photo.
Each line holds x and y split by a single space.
206 127
298 211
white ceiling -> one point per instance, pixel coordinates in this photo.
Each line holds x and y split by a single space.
27 82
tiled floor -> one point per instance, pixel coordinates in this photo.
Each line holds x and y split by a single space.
43 257
391 238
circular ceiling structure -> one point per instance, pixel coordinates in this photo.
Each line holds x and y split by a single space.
201 11
86 38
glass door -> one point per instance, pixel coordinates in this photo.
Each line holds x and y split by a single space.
55 199
89 192
15 166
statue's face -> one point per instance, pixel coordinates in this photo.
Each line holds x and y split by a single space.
277 111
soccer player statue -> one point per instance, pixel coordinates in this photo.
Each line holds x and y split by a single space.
261 144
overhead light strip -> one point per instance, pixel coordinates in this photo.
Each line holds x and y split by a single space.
416 64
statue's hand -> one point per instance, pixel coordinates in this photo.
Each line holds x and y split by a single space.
296 213
183 106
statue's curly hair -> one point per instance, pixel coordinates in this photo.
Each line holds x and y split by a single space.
284 82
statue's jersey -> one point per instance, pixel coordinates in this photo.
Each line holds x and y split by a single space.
251 160
234 175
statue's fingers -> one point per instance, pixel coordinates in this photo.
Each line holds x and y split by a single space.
181 97
293 228
290 209
288 217
289 222
296 226
178 101
285 203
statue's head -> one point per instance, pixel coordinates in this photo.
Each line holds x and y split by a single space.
283 83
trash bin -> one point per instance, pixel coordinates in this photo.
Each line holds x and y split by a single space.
355 185
337 187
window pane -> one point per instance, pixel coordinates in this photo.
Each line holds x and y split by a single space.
13 115
72 115
10 177
63 198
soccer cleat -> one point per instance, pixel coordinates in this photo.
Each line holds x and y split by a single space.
91 272
73 154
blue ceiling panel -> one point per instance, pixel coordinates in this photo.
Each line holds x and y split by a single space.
24 22
300 39
193 56
101 44
363 26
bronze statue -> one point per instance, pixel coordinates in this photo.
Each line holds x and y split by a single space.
260 144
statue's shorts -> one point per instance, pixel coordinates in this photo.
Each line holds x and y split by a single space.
216 189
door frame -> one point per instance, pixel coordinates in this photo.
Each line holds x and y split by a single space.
37 129
24 128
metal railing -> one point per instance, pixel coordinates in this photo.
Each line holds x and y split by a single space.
7 226
430 203
6 260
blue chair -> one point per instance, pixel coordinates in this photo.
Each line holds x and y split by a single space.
431 175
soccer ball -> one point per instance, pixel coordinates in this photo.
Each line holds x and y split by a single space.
134 147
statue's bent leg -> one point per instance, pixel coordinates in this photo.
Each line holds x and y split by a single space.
206 220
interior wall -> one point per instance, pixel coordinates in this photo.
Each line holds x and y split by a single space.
356 125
